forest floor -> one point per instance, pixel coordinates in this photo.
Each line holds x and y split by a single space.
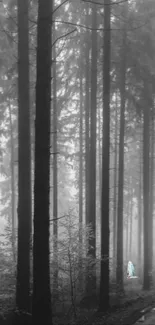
125 310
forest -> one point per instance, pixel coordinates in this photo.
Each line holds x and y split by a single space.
77 167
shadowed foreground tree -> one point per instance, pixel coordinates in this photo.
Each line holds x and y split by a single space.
104 280
24 161
41 307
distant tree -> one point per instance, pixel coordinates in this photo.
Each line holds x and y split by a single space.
151 185
92 166
87 119
81 143
140 204
41 304
24 161
115 188
146 150
55 166
130 216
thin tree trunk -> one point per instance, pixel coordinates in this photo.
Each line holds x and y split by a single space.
41 309
131 220
87 137
128 219
140 208
81 177
115 190
146 141
87 126
55 174
81 154
119 270
24 161
100 157
105 233
92 166
12 188
151 191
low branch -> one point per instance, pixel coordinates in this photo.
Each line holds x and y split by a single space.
60 5
62 36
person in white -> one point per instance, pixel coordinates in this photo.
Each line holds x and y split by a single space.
130 270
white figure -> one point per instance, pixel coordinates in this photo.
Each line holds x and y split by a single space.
130 269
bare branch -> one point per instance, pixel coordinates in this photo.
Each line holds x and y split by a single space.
61 4
62 36
98 29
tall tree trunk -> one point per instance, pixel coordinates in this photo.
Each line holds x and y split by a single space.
119 270
92 201
140 207
115 190
81 153
41 309
87 125
24 161
151 190
87 137
105 233
146 141
55 173
81 175
13 214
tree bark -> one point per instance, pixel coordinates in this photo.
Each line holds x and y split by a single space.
41 309
105 233
24 161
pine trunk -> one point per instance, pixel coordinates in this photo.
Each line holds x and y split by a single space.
41 309
13 195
